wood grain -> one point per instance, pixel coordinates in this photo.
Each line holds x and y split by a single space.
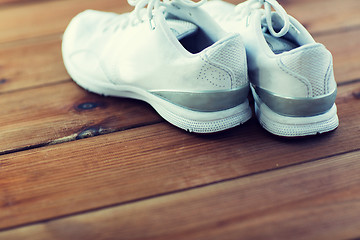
131 175
325 16
31 64
317 200
64 112
6 2
344 48
43 18
122 166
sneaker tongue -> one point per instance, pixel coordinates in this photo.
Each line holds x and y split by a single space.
181 28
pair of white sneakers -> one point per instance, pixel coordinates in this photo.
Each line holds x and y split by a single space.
195 63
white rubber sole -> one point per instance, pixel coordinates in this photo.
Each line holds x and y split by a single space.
294 126
189 120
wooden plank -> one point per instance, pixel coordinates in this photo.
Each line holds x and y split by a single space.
19 22
317 200
31 64
42 18
115 168
325 15
344 48
64 112
3 2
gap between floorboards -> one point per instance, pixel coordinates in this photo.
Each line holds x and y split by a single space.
176 191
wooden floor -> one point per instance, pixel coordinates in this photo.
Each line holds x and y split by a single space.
74 165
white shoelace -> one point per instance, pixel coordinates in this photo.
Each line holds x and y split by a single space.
245 8
153 5
140 4
137 15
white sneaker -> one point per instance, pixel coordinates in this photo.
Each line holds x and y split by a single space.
171 55
291 75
